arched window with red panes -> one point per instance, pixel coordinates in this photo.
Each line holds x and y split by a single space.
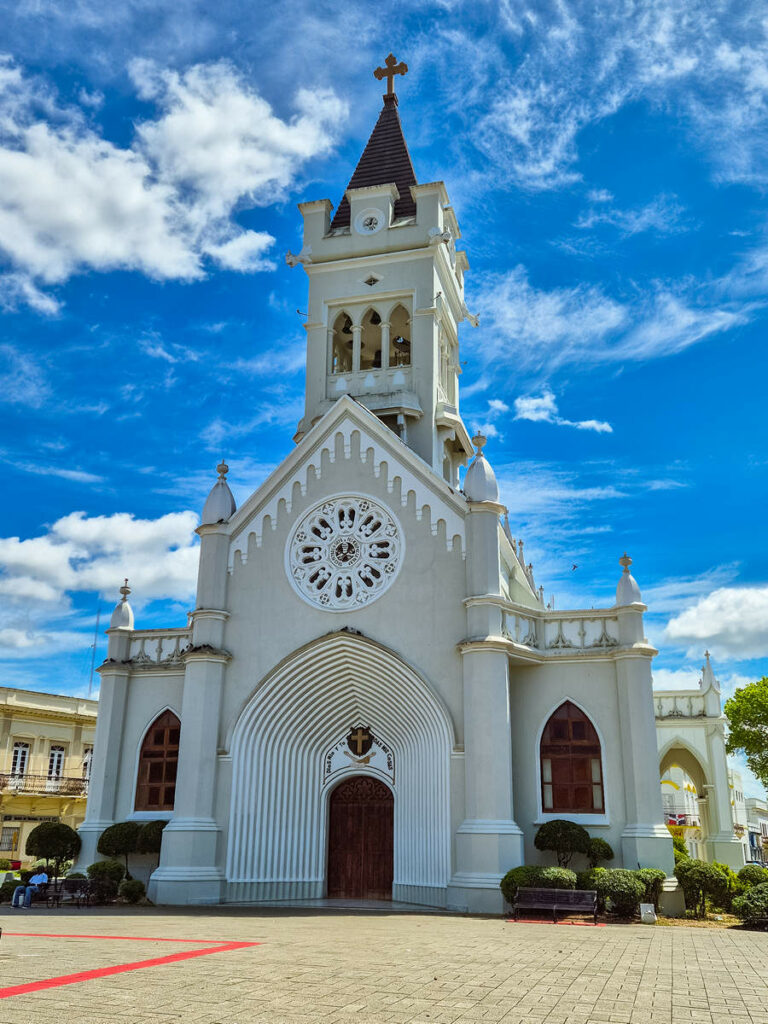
158 762
571 763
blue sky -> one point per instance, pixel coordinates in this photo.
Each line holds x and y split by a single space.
609 174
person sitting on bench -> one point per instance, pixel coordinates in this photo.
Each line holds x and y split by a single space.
24 892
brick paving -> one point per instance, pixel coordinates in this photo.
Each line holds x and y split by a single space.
380 968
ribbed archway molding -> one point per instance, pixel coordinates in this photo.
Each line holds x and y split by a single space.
278 821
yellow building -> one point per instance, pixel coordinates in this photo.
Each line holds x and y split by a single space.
46 748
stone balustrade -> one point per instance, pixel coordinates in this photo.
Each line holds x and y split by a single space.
159 648
679 704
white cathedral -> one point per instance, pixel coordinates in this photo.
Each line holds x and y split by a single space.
371 699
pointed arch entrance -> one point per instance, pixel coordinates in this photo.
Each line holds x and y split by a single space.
277 844
361 819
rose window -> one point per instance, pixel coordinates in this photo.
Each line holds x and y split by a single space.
344 553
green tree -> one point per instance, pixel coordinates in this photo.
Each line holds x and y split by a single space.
119 840
564 837
53 841
747 714
598 850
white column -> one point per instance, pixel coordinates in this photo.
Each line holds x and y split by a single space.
356 336
722 845
189 870
645 840
385 327
107 752
489 841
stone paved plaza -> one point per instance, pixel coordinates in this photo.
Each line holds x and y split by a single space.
376 968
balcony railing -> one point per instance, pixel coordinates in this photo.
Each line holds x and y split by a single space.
61 785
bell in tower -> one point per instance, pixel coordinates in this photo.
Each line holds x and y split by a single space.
386 296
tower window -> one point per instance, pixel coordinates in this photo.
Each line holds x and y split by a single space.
341 354
370 341
400 338
571 764
158 761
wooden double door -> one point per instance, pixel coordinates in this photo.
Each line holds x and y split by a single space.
361 840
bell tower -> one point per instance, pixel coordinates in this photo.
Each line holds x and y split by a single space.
386 296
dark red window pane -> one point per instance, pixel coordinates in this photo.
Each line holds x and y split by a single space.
571 746
158 760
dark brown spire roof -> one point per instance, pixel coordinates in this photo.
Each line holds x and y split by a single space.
385 159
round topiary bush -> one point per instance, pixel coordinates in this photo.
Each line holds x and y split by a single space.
111 869
700 881
103 889
150 837
753 905
622 890
563 837
7 890
119 840
597 850
653 880
5 864
76 874
525 877
53 841
592 879
753 874
131 890
557 878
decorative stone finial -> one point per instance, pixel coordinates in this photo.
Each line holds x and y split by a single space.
122 616
220 503
708 680
480 482
627 591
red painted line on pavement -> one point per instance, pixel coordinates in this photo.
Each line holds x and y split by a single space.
104 972
131 938
570 924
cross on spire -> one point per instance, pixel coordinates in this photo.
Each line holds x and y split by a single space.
390 69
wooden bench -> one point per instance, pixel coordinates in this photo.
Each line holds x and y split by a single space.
582 901
70 890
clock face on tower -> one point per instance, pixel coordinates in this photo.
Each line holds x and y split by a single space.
369 222
344 553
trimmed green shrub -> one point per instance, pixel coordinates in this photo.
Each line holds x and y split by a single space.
733 886
5 864
557 878
679 855
111 869
131 890
53 841
104 889
526 877
652 879
7 890
753 905
597 850
592 878
753 874
119 840
622 890
700 881
563 837
150 837
679 844
77 874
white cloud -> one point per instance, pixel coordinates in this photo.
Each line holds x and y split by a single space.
24 382
543 409
732 621
164 205
662 215
675 679
537 329
580 63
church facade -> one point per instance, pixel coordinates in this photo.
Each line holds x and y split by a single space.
371 698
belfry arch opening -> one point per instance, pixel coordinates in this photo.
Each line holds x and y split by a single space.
370 341
341 344
399 337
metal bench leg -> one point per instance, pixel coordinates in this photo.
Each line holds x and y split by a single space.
554 915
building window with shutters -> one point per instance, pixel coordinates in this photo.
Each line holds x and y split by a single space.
571 764
158 761
20 759
87 763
